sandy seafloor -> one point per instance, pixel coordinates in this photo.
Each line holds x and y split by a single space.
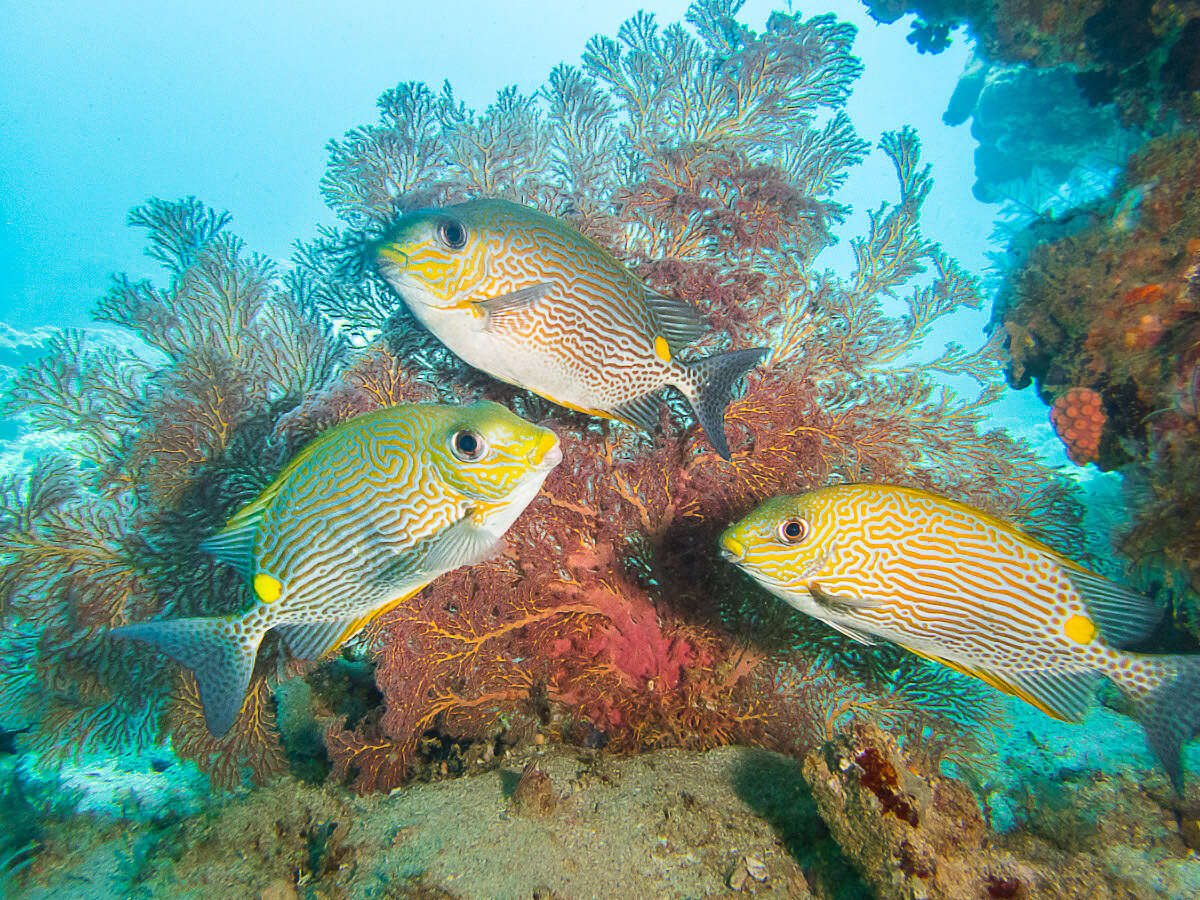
1084 799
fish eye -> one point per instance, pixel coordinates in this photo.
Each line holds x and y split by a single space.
452 234
469 446
793 531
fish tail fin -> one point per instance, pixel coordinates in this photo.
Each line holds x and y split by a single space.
1166 691
709 388
220 652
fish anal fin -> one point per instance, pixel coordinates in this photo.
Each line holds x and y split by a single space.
640 412
317 640
314 640
676 320
1060 695
1122 615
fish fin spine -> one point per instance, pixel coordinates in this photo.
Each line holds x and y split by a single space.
710 388
676 320
220 654
1123 616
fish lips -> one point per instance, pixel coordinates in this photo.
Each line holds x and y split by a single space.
552 457
390 260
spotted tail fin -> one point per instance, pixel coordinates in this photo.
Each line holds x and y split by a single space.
716 375
1166 690
219 653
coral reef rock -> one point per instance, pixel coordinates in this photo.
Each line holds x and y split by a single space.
914 833
911 835
732 821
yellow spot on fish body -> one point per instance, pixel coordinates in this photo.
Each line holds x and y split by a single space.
1080 629
661 349
267 588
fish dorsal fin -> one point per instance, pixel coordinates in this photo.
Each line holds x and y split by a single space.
234 544
640 412
1123 616
462 544
496 308
676 320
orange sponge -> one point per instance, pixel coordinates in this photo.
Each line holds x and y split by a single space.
1078 418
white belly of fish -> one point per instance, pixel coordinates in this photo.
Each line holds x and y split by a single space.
511 358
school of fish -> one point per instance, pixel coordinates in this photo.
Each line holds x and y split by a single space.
373 510
531 301
364 517
966 589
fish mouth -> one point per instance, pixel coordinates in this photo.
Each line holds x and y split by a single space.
732 550
391 259
548 453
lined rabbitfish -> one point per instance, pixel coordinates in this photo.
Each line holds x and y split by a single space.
531 301
966 589
364 517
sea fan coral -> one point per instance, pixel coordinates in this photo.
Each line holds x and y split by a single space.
172 436
708 160
609 615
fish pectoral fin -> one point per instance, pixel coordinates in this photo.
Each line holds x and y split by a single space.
234 544
640 412
462 544
677 320
843 603
495 308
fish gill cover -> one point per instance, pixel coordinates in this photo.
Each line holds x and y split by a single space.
708 158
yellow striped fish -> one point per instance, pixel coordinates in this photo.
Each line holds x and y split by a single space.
363 518
966 589
531 301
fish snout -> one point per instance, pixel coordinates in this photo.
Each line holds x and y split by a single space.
390 256
732 549
549 452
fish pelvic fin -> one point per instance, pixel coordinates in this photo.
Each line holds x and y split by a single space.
709 385
1166 691
220 652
